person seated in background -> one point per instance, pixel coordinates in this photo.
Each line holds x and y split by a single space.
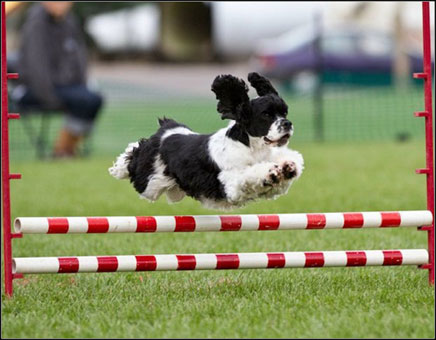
52 63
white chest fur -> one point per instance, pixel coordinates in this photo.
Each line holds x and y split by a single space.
230 154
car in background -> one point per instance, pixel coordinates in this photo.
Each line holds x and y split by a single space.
184 30
341 55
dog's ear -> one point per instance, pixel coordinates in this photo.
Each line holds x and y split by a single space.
261 84
232 95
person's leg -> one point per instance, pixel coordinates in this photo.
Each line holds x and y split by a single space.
82 107
25 98
81 103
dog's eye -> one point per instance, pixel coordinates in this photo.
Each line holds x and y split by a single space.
269 113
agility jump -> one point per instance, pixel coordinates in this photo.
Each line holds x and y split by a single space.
151 224
16 267
137 263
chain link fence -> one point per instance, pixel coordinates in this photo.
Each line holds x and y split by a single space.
349 114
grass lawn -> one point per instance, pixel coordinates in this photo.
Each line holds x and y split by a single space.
394 302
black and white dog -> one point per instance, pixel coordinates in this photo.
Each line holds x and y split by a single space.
248 159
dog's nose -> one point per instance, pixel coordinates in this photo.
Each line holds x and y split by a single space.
286 124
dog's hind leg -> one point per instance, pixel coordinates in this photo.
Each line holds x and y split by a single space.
157 184
175 194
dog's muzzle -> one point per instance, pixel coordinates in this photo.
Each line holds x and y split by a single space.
286 125
279 142
287 128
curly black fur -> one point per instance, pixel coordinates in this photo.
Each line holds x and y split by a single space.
186 159
261 84
232 96
253 117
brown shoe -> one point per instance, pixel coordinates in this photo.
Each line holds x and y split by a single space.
66 145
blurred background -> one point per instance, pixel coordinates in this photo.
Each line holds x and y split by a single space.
344 68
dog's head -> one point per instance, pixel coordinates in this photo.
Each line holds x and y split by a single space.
264 116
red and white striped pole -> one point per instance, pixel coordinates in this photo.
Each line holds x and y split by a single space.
428 114
98 264
148 224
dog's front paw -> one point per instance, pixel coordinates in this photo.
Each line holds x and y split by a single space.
274 176
289 169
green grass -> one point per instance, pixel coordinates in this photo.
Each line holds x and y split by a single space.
394 302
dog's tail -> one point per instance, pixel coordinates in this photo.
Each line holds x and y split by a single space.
120 168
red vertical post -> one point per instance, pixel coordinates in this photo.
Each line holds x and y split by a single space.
6 175
428 114
7 244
